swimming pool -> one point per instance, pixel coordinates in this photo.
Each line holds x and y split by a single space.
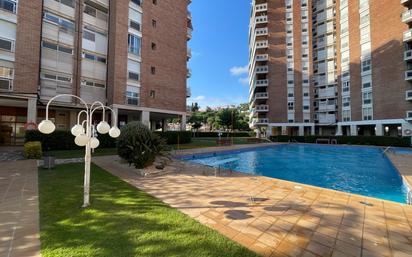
360 170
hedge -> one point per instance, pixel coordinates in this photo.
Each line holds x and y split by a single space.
175 137
349 140
32 150
224 134
64 140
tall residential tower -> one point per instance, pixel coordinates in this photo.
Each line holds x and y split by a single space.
331 67
129 54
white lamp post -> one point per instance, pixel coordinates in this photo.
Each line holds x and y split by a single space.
85 134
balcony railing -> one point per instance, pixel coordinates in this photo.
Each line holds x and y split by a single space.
262 44
262 57
261 19
261 7
408 75
262 83
188 92
408 55
189 32
262 108
261 32
262 69
409 95
407 35
407 16
189 52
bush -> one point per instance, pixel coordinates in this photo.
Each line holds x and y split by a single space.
33 150
139 146
224 134
349 140
64 140
175 137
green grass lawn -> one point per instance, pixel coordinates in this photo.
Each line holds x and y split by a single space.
67 154
122 221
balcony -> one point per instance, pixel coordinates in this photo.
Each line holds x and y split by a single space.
189 33
327 93
327 119
261 19
189 53
405 2
261 8
261 121
261 96
263 69
189 73
188 92
409 95
409 115
408 75
189 15
262 57
408 55
262 108
407 36
262 44
261 32
327 107
262 83
407 16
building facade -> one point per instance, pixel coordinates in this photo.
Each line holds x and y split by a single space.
331 67
129 54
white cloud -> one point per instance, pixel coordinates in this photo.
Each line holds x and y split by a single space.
244 81
238 71
199 98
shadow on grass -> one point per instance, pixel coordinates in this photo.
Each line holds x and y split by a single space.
122 221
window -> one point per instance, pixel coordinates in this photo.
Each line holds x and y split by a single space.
345 86
8 5
64 25
154 46
291 106
155 2
152 94
7 45
69 3
134 76
154 23
89 35
153 70
60 78
367 113
346 115
367 98
134 44
6 78
94 58
138 2
132 98
135 25
90 83
346 101
90 10
366 85
366 65
56 47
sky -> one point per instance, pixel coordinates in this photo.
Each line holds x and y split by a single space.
219 52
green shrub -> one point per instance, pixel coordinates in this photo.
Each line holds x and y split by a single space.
139 146
349 140
33 150
175 137
224 134
64 140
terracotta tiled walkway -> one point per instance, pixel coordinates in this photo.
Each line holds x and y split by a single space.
279 218
19 212
403 163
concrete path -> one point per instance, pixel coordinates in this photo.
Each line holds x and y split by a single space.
19 209
278 218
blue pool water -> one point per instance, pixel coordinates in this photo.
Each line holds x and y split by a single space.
360 170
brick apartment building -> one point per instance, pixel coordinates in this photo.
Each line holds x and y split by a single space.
331 67
130 54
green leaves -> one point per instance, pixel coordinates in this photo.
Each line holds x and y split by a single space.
139 146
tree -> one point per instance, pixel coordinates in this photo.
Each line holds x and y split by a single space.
196 120
195 107
228 117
